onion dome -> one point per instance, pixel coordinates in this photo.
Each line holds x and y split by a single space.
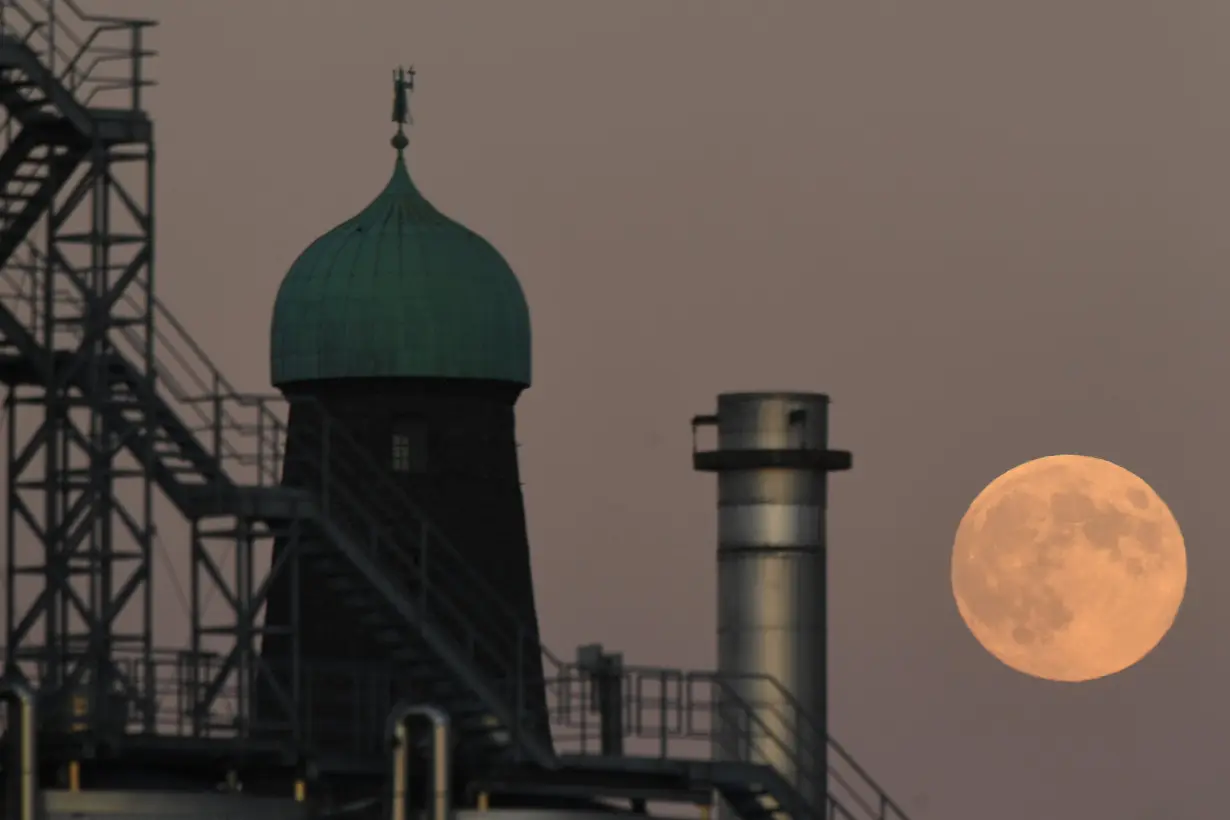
400 291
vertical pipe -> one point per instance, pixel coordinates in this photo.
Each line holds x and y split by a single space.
399 729
51 36
196 616
12 563
401 771
440 768
243 626
138 80
53 409
102 460
24 776
298 687
605 671
772 461
147 453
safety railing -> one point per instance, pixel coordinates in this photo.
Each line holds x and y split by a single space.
343 710
242 432
245 433
682 714
78 47
742 732
172 680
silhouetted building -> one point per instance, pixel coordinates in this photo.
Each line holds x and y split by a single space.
412 333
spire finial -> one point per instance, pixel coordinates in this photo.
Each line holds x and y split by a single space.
403 83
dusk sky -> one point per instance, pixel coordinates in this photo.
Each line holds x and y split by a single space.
990 231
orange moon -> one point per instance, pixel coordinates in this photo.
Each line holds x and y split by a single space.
1069 568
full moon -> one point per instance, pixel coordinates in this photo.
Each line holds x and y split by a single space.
1069 568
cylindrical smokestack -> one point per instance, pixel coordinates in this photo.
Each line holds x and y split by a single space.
772 461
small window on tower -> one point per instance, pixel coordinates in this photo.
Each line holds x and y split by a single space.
409 453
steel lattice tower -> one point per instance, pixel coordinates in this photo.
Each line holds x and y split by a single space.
77 240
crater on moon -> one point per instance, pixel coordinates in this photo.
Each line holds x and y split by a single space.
1069 568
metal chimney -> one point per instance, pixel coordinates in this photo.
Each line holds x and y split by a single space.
772 461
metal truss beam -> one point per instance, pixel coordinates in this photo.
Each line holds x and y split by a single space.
230 669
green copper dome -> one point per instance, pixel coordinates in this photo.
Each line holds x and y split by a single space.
400 290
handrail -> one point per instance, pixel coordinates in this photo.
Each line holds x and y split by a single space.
213 405
52 29
804 717
177 675
747 739
666 705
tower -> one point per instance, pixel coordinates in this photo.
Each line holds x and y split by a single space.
412 333
772 461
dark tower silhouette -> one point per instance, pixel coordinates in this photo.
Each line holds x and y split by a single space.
412 334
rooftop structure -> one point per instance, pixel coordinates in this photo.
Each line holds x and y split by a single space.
111 403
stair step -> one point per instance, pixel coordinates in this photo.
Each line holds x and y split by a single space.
25 105
171 453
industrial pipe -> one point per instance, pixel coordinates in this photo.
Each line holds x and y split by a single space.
399 729
26 772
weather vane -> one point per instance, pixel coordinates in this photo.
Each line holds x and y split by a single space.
403 84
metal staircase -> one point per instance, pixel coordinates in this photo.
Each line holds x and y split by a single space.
111 375
676 715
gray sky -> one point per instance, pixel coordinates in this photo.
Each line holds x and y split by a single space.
992 231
